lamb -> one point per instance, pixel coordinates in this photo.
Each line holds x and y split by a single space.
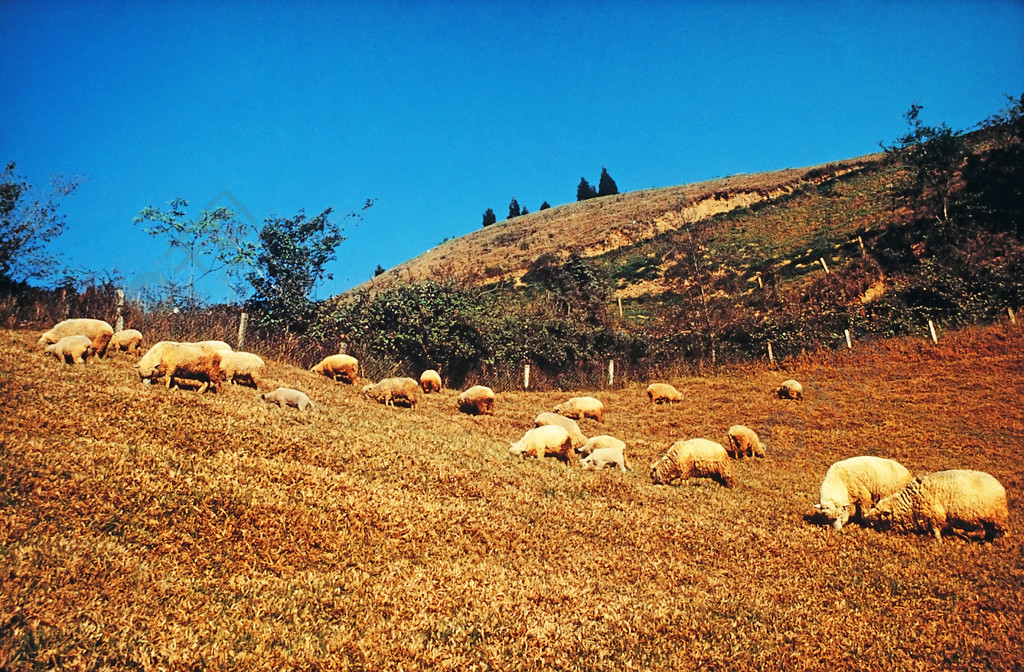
661 393
75 349
128 340
549 440
578 408
97 331
790 389
569 424
603 452
852 486
973 502
430 380
742 441
338 367
694 458
286 396
243 368
186 361
477 400
390 390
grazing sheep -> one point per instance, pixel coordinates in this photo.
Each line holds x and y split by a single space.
338 367
217 346
569 424
661 393
603 452
243 368
549 440
477 400
743 441
694 458
185 361
578 408
391 390
790 389
97 331
973 502
128 340
286 396
75 349
852 486
430 380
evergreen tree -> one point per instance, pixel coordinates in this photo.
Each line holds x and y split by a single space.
513 209
545 205
584 190
489 217
525 211
606 187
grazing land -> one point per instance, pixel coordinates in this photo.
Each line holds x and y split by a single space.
147 528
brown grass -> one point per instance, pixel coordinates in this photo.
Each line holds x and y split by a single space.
151 529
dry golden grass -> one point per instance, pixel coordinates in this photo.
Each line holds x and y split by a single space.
145 528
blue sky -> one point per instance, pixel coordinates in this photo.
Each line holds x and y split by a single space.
440 110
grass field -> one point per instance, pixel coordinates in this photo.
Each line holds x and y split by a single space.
146 528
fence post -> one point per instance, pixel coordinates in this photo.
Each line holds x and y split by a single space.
119 323
611 372
849 344
931 328
771 357
1013 318
526 377
861 241
620 307
823 264
242 322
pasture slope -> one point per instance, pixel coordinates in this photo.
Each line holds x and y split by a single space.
154 529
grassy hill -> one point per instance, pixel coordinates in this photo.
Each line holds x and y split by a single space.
146 528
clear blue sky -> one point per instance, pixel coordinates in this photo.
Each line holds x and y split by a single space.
440 110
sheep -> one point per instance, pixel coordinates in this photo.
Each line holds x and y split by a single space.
477 400
286 396
217 346
660 393
694 458
568 423
338 367
187 361
75 349
390 390
790 389
97 331
549 440
742 441
578 408
603 452
430 380
973 502
852 486
242 368
128 340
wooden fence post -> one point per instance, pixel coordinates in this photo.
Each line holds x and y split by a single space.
119 323
823 264
620 307
861 241
526 377
771 357
931 328
1013 318
849 344
611 372
242 322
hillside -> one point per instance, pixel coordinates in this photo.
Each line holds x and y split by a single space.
146 528
597 227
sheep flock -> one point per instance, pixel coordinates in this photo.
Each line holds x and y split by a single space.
876 491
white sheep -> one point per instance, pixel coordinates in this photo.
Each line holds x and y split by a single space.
405 391
430 381
790 389
578 408
661 393
286 396
184 361
75 349
972 502
694 458
742 441
569 424
127 340
217 346
477 400
97 331
549 440
243 368
338 367
852 486
603 452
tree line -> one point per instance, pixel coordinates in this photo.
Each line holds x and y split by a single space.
606 187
